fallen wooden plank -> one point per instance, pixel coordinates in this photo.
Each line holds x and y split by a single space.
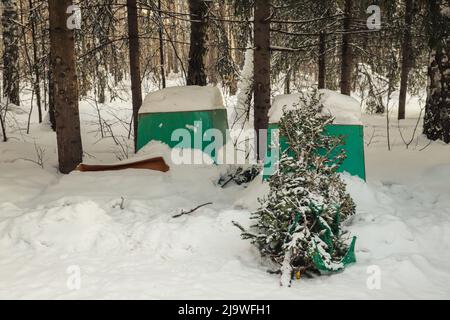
157 164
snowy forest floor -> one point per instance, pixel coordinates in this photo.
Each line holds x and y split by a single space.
51 224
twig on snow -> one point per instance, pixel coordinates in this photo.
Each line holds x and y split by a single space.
192 210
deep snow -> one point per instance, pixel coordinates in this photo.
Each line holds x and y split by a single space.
183 98
52 224
344 109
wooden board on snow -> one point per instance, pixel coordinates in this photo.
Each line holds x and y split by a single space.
157 164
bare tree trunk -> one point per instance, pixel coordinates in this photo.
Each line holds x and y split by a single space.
211 59
2 125
51 96
11 51
161 46
37 73
287 81
347 51
174 38
226 66
83 86
100 86
198 10
406 58
212 56
135 66
49 87
322 61
45 58
262 73
65 93
437 110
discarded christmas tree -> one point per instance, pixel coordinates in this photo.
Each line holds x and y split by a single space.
298 226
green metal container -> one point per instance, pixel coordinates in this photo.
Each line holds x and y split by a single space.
353 135
162 126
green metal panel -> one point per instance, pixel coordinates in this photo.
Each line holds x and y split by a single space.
354 147
161 126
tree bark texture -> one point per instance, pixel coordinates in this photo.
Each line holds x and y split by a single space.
65 87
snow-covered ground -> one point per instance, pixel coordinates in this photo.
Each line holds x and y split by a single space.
116 230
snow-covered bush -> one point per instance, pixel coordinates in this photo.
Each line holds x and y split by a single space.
298 225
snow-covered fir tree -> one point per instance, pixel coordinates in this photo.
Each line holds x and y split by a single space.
298 225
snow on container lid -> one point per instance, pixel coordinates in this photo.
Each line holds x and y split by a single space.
345 109
179 99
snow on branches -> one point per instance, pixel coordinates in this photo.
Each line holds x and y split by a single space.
298 225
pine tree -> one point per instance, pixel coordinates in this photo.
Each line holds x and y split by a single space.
298 225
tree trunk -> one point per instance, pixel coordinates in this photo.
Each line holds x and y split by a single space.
287 82
322 61
213 70
2 126
347 52
49 85
211 61
101 83
36 69
135 66
51 100
437 109
161 46
174 38
198 10
262 73
406 58
65 91
45 58
10 51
